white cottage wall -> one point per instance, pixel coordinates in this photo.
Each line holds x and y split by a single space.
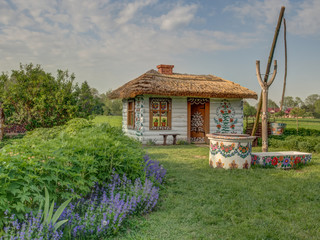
179 119
178 122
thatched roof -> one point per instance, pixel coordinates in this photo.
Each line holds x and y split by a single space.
176 84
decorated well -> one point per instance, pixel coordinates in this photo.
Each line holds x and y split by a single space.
230 151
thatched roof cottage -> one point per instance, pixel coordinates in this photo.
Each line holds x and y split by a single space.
163 102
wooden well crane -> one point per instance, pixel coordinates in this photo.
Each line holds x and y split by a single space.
265 84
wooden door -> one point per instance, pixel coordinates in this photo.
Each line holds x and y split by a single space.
198 119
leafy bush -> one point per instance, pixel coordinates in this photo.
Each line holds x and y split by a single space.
305 132
317 148
73 156
100 214
296 143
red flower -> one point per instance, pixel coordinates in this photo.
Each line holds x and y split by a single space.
297 160
232 126
231 119
274 161
220 119
222 111
218 126
229 111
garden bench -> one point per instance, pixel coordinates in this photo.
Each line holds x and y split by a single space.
174 135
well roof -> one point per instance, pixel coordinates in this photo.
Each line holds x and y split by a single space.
176 84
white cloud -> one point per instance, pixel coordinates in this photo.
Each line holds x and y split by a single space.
178 16
96 39
266 11
307 20
129 11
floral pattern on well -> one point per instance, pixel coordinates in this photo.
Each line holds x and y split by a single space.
225 121
285 162
211 162
139 116
233 165
244 151
246 165
219 164
230 150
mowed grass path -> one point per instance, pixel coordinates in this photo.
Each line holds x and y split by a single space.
199 202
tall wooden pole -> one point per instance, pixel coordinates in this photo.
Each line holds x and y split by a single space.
266 76
285 63
265 88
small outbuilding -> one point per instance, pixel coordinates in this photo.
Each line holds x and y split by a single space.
163 102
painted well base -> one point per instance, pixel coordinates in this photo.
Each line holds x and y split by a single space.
230 151
284 160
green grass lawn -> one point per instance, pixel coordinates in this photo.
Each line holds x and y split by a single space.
303 123
292 122
115 121
199 202
204 203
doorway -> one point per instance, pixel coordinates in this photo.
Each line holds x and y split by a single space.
198 119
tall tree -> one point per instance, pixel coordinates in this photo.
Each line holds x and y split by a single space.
89 102
297 112
272 104
34 98
111 106
288 102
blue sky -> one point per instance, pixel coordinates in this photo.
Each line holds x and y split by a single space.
109 43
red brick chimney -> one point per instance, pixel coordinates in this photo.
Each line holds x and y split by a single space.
165 69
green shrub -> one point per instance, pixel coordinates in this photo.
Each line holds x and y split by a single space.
317 148
305 147
302 132
64 159
295 143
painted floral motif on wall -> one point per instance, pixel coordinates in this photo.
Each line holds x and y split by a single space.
139 115
225 121
286 162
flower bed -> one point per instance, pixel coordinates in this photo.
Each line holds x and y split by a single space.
100 214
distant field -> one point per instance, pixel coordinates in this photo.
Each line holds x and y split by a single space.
115 121
303 123
292 122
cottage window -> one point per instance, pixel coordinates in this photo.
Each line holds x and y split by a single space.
160 113
130 114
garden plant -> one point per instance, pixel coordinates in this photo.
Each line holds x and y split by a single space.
71 161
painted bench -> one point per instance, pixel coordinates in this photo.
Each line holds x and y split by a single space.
165 135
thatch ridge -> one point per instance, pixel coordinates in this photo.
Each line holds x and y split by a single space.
177 84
